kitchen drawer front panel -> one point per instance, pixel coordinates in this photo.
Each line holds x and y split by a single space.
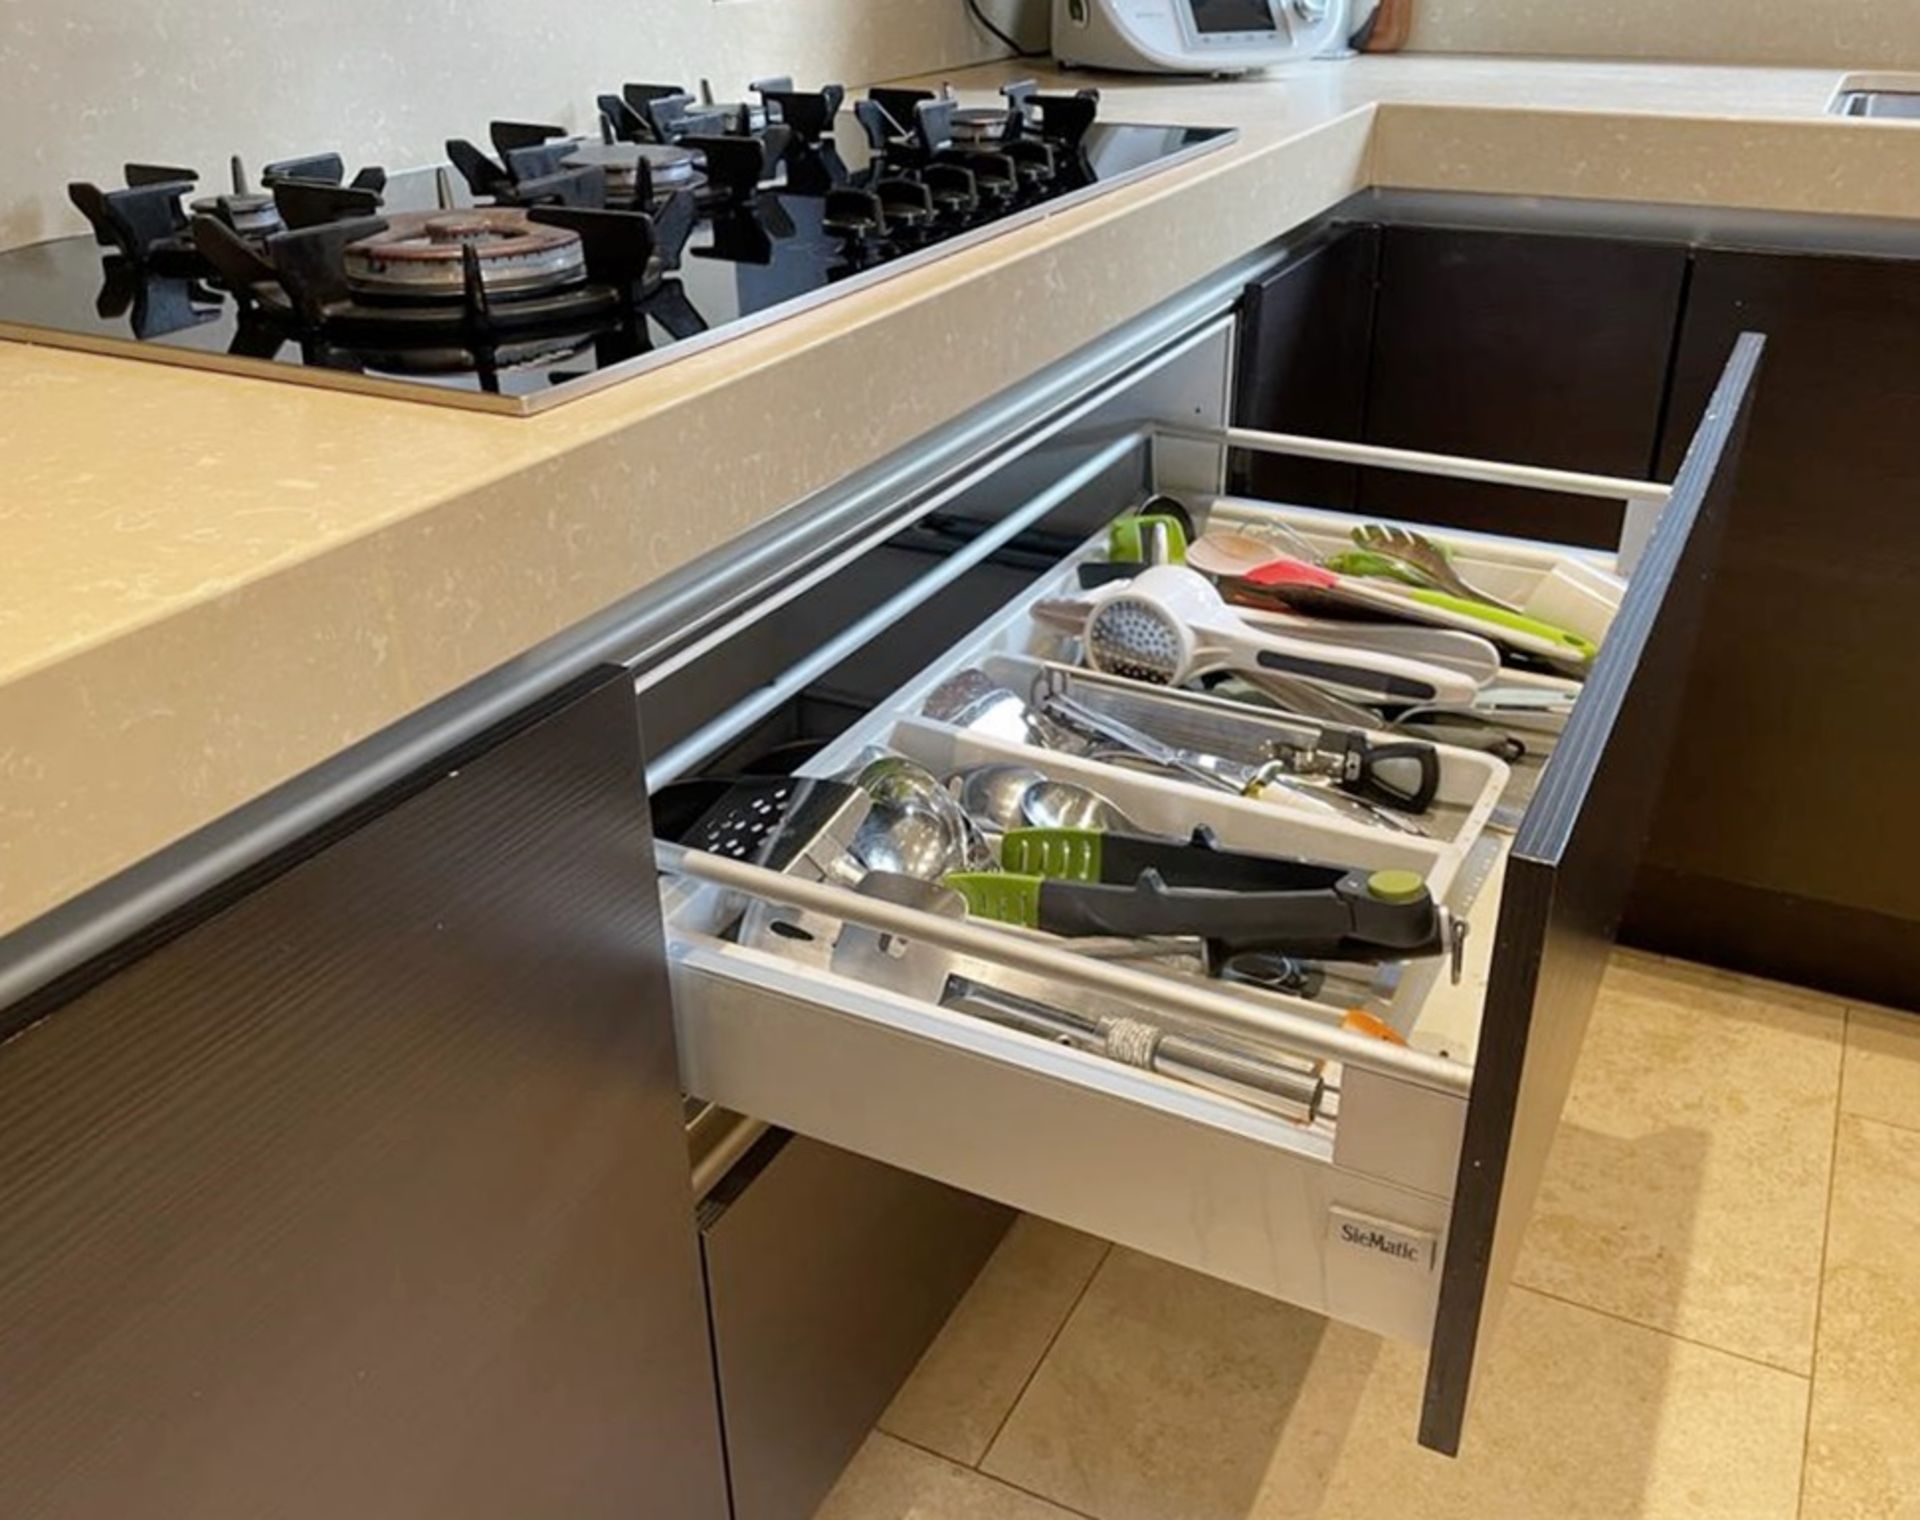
362 1188
1121 1154
1568 876
828 1275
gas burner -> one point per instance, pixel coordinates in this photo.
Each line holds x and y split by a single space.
245 210
908 128
665 113
424 255
640 172
808 114
459 278
147 225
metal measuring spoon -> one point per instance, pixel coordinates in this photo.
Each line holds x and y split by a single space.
991 794
1064 805
908 840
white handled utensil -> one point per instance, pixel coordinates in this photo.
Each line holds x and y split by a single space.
1169 625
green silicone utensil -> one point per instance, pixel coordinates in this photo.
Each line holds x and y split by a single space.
1130 539
1064 854
1002 897
1574 648
1365 564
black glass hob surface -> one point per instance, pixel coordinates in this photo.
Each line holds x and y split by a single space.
833 212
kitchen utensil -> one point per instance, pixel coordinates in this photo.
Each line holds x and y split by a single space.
1360 1021
1070 615
800 826
1064 614
1325 912
781 822
1207 770
892 961
1468 653
1210 770
1272 691
1463 731
905 839
1215 1064
1397 775
1517 629
1277 973
992 794
1462 653
1120 859
1148 538
973 700
1366 565
1095 574
1050 804
1312 587
895 782
1170 625
1228 554
1431 558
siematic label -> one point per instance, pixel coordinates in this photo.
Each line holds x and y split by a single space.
1377 1238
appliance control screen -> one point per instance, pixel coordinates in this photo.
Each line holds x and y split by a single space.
1210 16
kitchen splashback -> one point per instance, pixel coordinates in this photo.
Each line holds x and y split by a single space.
91 84
1844 33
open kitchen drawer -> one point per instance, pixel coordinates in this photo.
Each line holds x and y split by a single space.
1397 1201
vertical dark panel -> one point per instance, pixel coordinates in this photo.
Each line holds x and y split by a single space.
1524 347
1305 330
368 1194
1785 844
1572 865
828 1275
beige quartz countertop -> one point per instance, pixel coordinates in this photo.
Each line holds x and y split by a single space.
210 583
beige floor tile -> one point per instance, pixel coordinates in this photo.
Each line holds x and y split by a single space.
1687 1186
1760 988
890 1480
968 1380
1171 1397
1863 1451
1883 1067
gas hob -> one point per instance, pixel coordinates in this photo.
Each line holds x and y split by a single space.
542 265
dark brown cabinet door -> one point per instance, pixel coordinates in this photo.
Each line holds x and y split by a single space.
828 1275
365 1193
1785 843
1541 349
1302 362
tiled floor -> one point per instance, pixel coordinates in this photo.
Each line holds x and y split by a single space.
1718 1315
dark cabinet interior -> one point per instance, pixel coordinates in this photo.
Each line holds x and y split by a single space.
364 1190
1780 845
1304 356
1494 345
1500 345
